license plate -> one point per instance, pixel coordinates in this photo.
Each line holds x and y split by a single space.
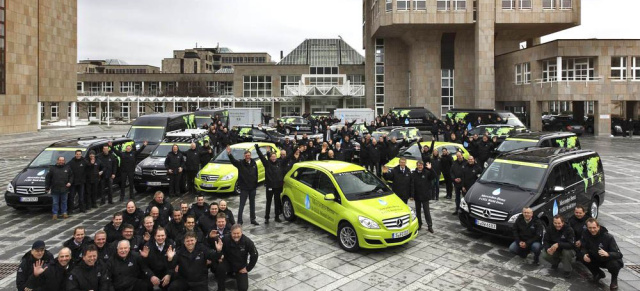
400 234
28 199
154 183
485 224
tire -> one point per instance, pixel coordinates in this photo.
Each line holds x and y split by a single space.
287 209
348 237
140 188
594 208
236 188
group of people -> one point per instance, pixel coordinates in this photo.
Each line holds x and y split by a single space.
162 247
581 237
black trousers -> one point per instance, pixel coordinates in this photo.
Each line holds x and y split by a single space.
374 165
613 266
180 284
273 193
221 277
191 177
174 183
423 205
140 284
244 194
92 190
124 175
106 182
458 197
448 183
73 191
436 136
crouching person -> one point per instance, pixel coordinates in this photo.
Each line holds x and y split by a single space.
232 253
558 245
528 233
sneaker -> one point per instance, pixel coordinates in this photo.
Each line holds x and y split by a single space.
55 217
65 216
255 222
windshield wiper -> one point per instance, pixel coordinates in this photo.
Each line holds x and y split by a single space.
507 184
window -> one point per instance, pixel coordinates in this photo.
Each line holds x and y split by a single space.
550 71
565 4
548 4
158 107
79 87
578 69
288 81
179 107
508 4
107 87
379 73
289 109
257 86
460 4
125 110
635 68
518 74
130 87
325 185
54 110
526 69
525 4
3 85
69 110
41 110
419 4
306 176
619 68
92 110
447 78
389 5
442 5
323 70
356 79
589 105
403 5
222 88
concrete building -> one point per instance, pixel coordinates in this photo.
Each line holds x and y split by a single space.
38 55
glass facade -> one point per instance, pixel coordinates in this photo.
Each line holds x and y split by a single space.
379 73
256 86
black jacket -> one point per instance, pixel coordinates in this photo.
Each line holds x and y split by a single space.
528 232
126 271
206 223
446 162
230 219
374 152
25 270
197 211
128 159
113 234
165 209
134 218
105 253
394 148
58 177
247 173
54 278
157 259
238 253
179 241
109 164
563 237
84 277
136 242
578 226
205 156
175 229
192 265
422 184
76 250
79 170
193 159
471 174
484 150
174 161
457 172
602 240
273 171
401 181
93 171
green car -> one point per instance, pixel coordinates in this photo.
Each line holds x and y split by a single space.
349 202
220 176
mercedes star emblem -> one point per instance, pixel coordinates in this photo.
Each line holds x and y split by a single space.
486 213
399 223
154 172
30 190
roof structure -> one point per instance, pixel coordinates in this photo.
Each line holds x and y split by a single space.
323 53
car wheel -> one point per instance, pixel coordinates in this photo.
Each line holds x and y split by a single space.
236 188
593 208
287 209
348 237
140 188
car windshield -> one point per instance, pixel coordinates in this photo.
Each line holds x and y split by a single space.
511 119
49 157
292 120
512 145
274 132
411 152
150 134
518 174
398 134
163 149
238 154
492 130
361 185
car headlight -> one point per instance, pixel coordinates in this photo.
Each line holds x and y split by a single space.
10 188
463 205
486 164
514 217
137 146
228 177
413 214
138 170
368 223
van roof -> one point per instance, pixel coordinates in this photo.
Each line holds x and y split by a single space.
153 119
84 142
478 110
540 135
543 155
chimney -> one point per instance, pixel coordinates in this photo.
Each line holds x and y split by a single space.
281 55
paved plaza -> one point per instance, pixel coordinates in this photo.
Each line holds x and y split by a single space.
299 256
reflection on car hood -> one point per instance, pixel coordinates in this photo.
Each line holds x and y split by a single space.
499 197
380 208
219 169
32 176
153 162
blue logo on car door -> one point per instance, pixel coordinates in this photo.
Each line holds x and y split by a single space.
307 202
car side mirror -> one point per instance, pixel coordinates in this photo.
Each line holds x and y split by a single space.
330 197
558 190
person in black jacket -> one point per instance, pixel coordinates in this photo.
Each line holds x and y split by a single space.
446 161
175 165
114 228
37 253
78 166
109 169
128 272
154 254
206 153
228 212
528 233
421 191
94 169
471 173
164 207
234 250
601 251
192 166
52 276
457 175
90 274
175 228
374 153
484 149
274 181
128 233
436 164
400 176
104 250
558 245
578 223
208 220
132 215
248 182
189 226
199 207
127 167
189 265
57 182
435 129
77 243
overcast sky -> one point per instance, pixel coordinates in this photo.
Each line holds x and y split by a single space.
146 31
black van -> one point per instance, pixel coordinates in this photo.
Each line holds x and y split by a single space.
488 116
27 189
153 128
567 140
551 181
418 117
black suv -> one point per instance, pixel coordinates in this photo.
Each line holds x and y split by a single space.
298 124
567 140
27 189
487 116
250 133
418 117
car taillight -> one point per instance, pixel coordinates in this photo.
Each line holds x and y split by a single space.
569 127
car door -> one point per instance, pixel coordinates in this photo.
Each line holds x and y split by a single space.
579 175
304 188
327 213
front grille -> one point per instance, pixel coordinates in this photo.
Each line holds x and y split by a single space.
392 223
30 190
154 172
488 213
209 178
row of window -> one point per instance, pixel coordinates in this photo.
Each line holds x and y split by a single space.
126 71
619 68
445 5
546 4
244 60
580 69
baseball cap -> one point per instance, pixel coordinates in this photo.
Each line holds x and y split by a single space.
38 245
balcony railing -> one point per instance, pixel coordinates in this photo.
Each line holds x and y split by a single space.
567 82
302 90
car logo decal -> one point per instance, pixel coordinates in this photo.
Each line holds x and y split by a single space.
41 172
406 121
399 222
382 202
486 213
307 202
496 192
555 207
154 172
30 190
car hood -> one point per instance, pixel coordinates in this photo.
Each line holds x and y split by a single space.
153 162
31 176
381 208
499 197
411 163
219 169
